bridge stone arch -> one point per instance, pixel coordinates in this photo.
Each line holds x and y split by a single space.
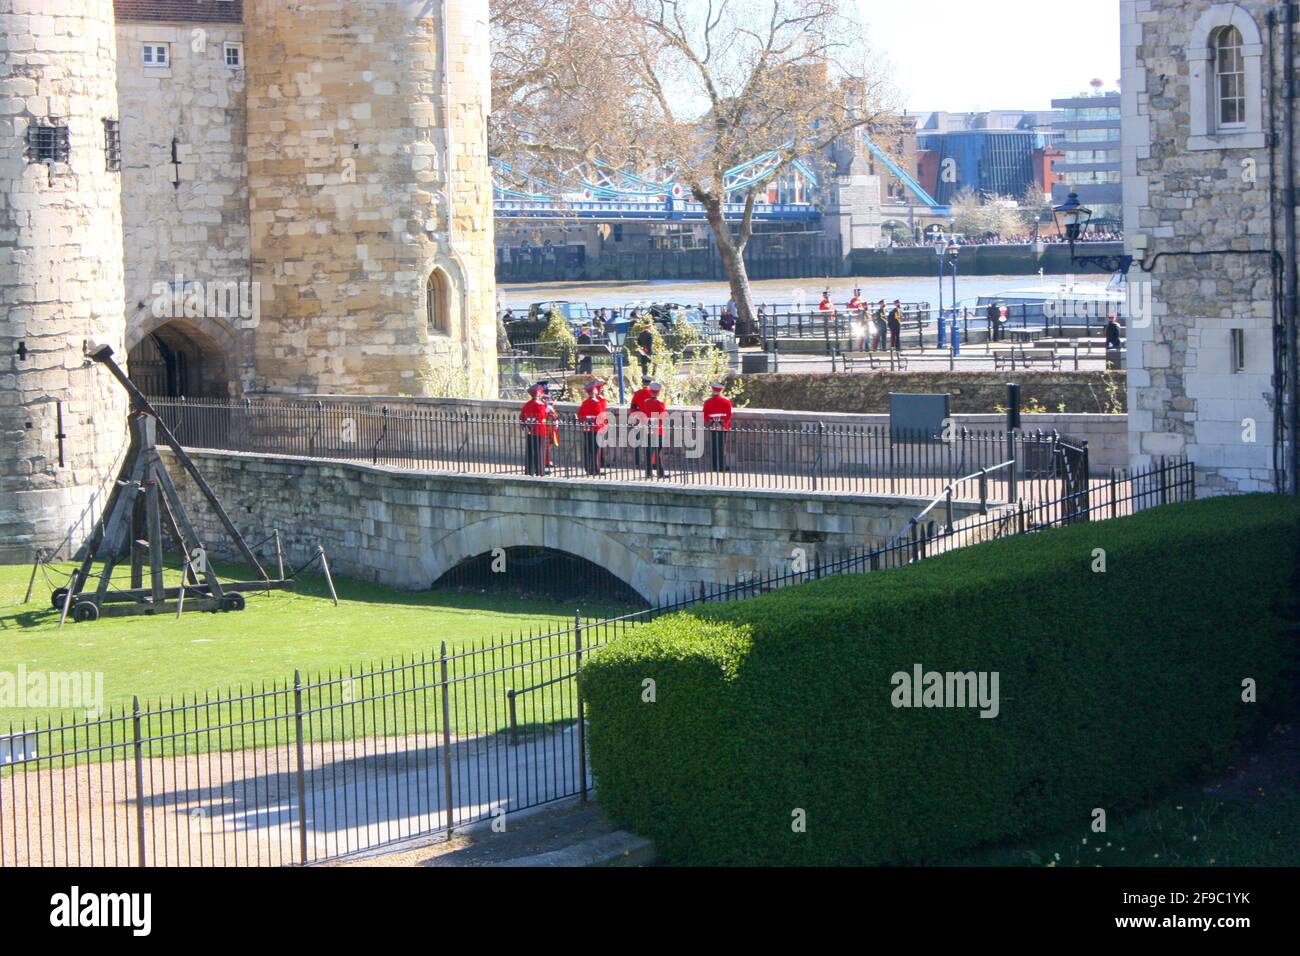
542 531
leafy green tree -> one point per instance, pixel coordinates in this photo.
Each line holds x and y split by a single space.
557 339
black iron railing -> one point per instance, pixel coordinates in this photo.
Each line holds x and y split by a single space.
811 456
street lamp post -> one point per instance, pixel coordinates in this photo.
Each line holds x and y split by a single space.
953 250
1076 216
938 254
617 332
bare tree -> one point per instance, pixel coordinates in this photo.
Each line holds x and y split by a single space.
556 89
690 89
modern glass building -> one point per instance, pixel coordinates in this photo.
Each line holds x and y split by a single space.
991 154
1091 128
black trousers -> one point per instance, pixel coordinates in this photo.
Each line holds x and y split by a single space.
534 454
718 449
590 453
654 456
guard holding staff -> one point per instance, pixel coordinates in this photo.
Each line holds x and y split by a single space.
593 421
537 419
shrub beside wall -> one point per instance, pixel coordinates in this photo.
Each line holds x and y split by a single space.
1112 687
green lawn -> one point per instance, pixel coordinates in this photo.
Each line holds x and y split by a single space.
161 658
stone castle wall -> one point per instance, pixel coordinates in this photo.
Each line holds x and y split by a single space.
1187 189
60 271
366 176
186 210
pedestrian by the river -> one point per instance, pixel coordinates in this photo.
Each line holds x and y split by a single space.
896 326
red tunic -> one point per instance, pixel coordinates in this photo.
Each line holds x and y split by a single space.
593 411
639 396
717 405
536 415
654 409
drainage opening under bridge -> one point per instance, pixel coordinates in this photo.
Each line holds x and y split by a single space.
531 572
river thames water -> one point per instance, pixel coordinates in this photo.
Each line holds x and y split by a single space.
784 291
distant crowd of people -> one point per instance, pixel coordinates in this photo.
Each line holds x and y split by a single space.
1016 239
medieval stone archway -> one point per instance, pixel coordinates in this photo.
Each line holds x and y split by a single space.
178 358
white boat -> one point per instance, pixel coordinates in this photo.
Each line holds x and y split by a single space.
1057 303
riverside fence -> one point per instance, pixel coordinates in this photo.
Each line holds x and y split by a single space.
323 767
812 456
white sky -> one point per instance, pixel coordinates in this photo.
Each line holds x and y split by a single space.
964 55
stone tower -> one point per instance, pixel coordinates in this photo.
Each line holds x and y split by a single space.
60 269
370 195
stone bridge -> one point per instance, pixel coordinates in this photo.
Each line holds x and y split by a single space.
407 528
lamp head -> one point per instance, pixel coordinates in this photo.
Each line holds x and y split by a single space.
1075 216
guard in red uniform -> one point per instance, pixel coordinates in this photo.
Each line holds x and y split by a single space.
635 413
593 421
654 410
604 410
857 310
537 419
825 305
717 419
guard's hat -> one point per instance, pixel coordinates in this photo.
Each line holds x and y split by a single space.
538 387
716 387
655 386
645 380
594 384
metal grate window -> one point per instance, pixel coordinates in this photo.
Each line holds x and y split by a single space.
112 146
48 143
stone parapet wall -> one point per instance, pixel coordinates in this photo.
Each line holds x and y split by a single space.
408 528
972 392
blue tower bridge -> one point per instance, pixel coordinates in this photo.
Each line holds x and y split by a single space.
601 193
604 194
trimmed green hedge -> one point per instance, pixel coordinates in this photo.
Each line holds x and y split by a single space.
1112 687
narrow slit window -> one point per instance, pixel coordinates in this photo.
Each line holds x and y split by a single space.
1238 340
112 146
